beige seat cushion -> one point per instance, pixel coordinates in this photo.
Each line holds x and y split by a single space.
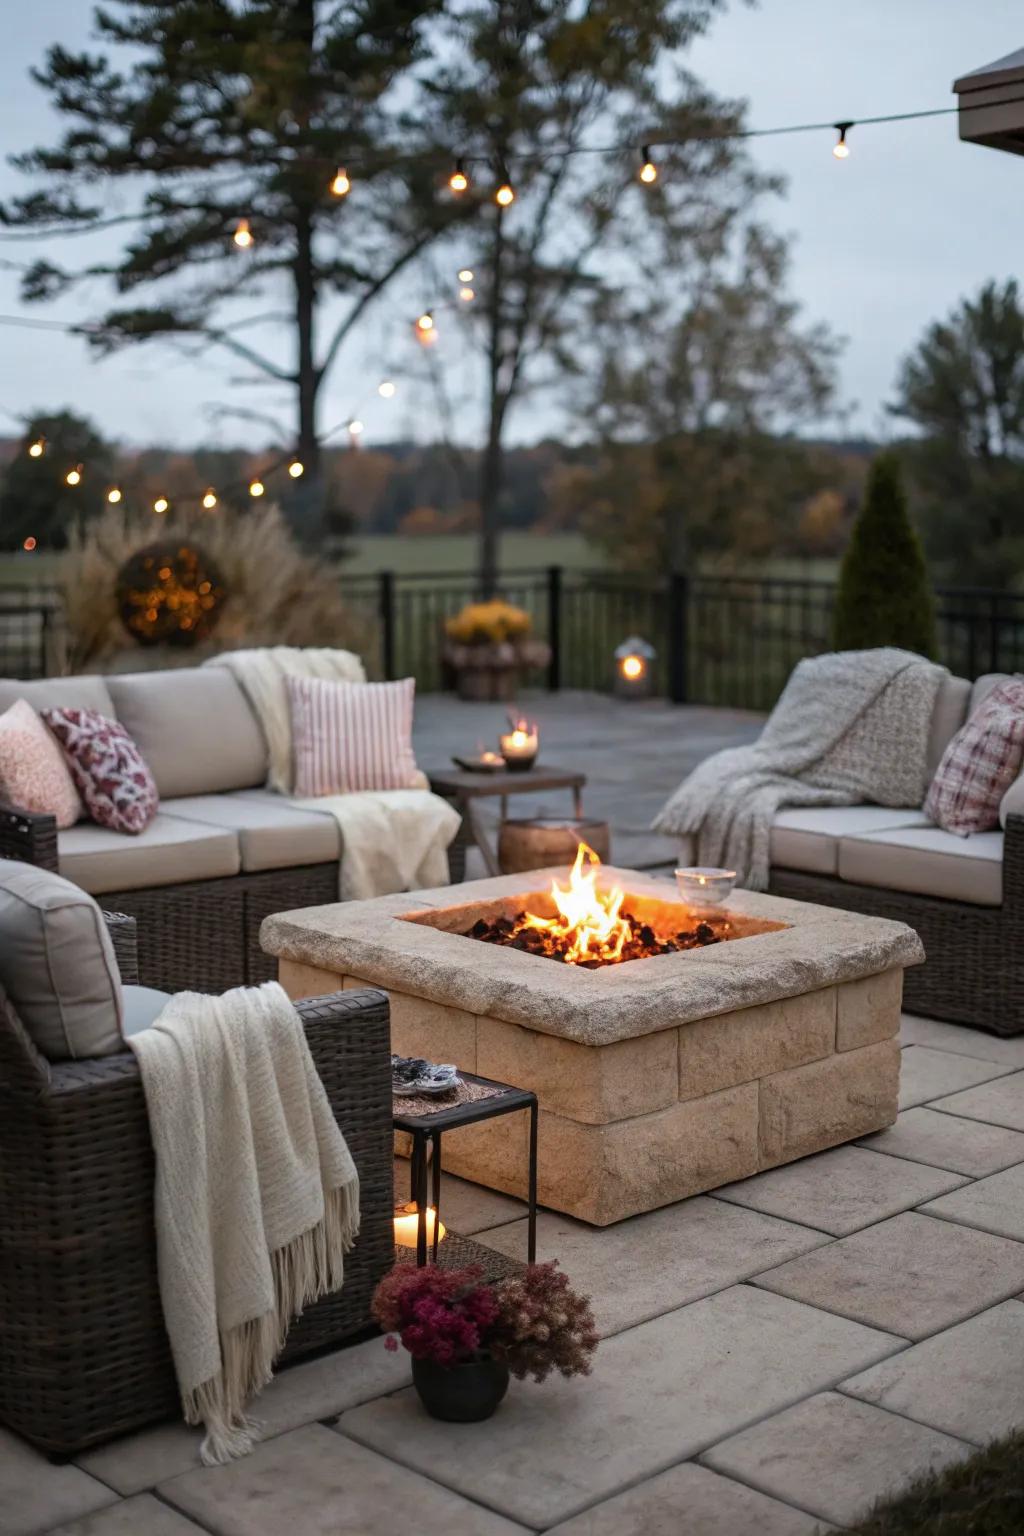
927 862
271 834
86 692
807 837
169 852
194 727
57 964
142 1005
948 716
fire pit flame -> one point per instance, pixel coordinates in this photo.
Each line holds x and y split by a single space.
590 928
588 925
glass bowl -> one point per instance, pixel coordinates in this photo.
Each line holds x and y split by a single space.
703 886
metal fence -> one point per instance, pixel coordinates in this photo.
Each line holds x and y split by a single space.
728 640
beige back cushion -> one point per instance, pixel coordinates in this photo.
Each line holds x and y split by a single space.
948 716
194 727
57 964
984 685
59 693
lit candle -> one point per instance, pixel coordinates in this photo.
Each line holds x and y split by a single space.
519 745
407 1225
492 759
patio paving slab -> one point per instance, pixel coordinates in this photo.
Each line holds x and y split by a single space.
995 1204
910 1275
961 1041
842 1190
35 1495
466 1208
997 1103
659 1393
926 1074
834 1456
691 1501
946 1141
141 1516
301 1394
638 1269
966 1382
313 1482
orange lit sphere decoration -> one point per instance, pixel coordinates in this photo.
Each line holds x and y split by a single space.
169 594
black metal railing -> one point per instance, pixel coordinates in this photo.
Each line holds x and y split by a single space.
725 640
31 632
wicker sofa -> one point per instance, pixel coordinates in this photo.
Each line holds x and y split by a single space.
965 896
222 853
83 1351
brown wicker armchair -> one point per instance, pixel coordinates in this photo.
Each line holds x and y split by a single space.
83 1351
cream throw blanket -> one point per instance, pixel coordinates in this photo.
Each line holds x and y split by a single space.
851 727
257 1196
391 840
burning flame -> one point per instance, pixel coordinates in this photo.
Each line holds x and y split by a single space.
588 925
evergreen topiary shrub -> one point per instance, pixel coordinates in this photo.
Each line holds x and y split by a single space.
884 595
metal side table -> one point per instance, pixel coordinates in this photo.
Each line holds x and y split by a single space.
426 1131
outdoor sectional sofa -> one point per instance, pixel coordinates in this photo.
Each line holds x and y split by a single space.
964 895
223 851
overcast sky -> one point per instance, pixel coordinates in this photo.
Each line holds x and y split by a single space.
882 242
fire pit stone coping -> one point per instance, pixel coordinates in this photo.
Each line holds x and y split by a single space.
376 941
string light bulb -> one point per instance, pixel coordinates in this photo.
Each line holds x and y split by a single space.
425 322
210 499
28 544
505 196
466 275
74 476
242 235
341 186
161 504
37 449
467 295
648 170
458 180
840 148
426 330
296 468
114 495
386 389
356 428
256 487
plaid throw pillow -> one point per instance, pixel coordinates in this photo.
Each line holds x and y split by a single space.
116 786
980 764
351 736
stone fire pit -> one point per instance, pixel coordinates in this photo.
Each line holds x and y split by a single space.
657 1078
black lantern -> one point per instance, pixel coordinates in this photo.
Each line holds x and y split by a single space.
634 666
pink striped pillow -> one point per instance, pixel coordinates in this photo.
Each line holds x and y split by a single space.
351 736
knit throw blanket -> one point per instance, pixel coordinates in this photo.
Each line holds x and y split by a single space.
257 1196
392 839
850 727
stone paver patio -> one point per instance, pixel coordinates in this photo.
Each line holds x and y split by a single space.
775 1355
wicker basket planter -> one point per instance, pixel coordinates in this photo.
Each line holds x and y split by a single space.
492 671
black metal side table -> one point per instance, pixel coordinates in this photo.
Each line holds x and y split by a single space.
426 1131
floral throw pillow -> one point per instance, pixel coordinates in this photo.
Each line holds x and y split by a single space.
115 784
33 773
980 764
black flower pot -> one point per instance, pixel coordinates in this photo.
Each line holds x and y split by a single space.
460 1394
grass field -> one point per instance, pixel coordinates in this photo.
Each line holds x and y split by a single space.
459 552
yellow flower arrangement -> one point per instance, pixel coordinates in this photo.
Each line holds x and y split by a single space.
492 623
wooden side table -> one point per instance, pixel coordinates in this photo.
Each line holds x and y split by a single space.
465 790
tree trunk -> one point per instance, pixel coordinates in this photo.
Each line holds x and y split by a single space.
493 463
309 490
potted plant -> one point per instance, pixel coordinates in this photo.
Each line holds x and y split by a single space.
467 1335
488 646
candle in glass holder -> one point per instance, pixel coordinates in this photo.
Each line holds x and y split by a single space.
519 745
407 1225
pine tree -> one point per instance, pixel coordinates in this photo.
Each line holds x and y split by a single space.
884 596
35 499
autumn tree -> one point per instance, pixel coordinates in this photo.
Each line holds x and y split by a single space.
199 114
527 89
696 401
963 390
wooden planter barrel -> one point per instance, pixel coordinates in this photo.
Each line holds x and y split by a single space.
536 842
